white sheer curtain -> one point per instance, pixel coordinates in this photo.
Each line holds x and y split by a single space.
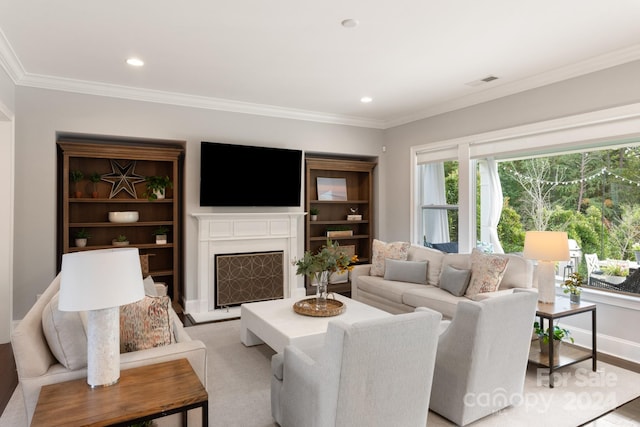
436 226
496 203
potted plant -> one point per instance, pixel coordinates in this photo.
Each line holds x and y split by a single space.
95 179
81 238
573 287
319 266
161 235
121 240
616 271
76 177
313 212
558 335
156 186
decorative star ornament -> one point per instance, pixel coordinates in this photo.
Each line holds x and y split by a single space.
122 178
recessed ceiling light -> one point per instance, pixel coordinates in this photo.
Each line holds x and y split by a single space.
366 99
350 23
135 62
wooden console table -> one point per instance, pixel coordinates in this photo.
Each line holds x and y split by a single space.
142 394
552 311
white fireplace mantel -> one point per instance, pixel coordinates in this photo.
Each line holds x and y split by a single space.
224 233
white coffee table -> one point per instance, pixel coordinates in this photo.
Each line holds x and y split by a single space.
276 324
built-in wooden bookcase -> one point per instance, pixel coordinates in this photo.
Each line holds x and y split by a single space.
358 175
91 211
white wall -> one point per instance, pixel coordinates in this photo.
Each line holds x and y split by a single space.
42 113
6 208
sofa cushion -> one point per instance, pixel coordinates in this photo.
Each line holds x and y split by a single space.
454 280
433 256
518 274
146 324
434 298
389 290
150 287
406 271
65 334
382 250
487 271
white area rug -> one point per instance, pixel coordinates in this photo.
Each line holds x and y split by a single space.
239 396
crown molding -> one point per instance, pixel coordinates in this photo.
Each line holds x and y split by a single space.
9 60
194 101
578 69
12 65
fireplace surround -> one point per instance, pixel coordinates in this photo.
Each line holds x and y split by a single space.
236 233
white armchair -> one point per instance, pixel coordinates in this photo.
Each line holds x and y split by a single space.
371 373
37 366
482 357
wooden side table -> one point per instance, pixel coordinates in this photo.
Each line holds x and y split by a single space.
142 394
556 310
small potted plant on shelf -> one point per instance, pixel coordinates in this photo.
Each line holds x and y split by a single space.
76 177
313 212
95 179
81 238
558 335
161 235
121 240
156 187
573 287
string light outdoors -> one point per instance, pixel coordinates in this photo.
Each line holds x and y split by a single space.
602 172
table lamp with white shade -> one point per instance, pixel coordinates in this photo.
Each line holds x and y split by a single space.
99 282
547 247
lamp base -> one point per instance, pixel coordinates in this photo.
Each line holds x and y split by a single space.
546 281
103 347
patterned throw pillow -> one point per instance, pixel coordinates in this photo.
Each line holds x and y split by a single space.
146 324
487 271
382 250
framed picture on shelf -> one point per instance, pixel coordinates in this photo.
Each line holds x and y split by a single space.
332 188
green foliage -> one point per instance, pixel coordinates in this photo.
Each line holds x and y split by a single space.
314 211
160 231
94 177
82 234
76 176
121 238
330 258
558 333
510 230
573 284
156 183
615 269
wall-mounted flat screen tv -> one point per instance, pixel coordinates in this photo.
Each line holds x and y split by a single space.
244 175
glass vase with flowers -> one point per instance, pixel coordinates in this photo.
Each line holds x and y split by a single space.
319 266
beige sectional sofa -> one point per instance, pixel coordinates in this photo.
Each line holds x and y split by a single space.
401 296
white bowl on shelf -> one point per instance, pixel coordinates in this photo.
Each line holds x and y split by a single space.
128 216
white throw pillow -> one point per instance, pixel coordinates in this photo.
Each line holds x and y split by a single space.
66 335
382 250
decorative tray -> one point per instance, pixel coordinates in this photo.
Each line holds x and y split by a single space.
309 307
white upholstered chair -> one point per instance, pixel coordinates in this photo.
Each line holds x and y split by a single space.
482 357
372 373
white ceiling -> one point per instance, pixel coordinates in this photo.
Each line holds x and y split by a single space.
292 58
